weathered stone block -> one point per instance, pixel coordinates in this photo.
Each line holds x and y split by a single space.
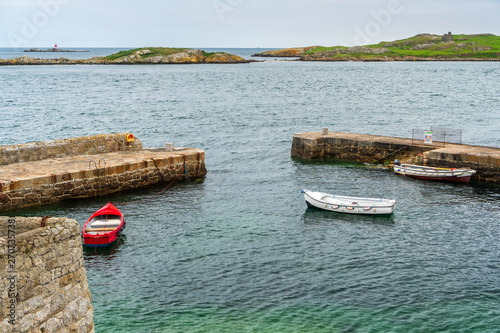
4 198
31 198
47 300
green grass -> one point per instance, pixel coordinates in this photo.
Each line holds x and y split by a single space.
324 49
463 46
155 51
211 54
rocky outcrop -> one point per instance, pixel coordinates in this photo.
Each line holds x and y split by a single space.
393 58
143 56
191 56
330 55
54 50
43 284
25 60
185 57
434 47
481 48
364 49
422 46
224 58
288 53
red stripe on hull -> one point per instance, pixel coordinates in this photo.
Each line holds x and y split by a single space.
465 179
96 240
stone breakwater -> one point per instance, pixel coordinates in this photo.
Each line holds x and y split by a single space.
97 168
375 149
43 282
90 145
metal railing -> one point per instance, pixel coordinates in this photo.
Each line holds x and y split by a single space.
439 136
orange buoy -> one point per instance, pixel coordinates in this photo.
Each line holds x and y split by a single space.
130 137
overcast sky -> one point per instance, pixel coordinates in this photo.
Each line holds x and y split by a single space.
236 23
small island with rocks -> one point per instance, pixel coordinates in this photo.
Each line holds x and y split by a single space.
162 55
422 47
54 49
146 55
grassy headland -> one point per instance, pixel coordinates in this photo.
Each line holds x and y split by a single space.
421 47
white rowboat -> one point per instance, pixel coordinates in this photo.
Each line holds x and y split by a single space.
425 172
349 205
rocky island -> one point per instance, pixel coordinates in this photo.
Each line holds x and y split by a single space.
150 55
422 47
54 49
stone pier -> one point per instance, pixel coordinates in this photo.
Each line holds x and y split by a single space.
43 282
382 149
39 173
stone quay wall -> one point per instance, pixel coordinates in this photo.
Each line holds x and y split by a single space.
43 282
91 145
359 150
40 173
486 164
138 172
380 149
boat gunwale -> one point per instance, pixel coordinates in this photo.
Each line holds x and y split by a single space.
389 203
434 170
103 211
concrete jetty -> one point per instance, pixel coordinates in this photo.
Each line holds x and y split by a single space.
382 149
39 173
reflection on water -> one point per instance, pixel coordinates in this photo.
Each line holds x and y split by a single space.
315 216
99 256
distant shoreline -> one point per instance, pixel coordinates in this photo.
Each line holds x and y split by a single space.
54 50
69 62
422 47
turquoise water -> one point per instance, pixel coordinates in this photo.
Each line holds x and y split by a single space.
238 251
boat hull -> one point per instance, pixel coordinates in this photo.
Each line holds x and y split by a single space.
456 179
349 205
104 227
100 241
438 174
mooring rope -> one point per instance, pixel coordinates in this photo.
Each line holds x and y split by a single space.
154 195
300 195
156 165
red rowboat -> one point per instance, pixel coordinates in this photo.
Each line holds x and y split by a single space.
103 227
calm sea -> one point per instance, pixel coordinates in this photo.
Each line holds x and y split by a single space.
238 251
